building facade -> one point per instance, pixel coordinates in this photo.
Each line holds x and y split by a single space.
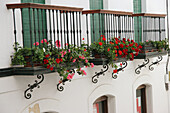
130 92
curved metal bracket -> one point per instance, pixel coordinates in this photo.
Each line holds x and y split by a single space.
138 69
31 87
156 62
124 65
106 67
61 88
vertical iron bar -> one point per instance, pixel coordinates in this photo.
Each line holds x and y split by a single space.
50 29
159 29
80 27
111 25
109 15
58 38
106 27
67 28
87 29
22 27
74 29
77 29
138 27
61 30
99 25
71 30
42 23
64 28
34 25
14 28
30 26
119 25
54 28
93 28
38 25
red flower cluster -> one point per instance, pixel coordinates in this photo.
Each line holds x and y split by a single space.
45 61
58 60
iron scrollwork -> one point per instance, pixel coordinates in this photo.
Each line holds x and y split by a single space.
138 69
31 87
62 82
154 63
124 65
94 79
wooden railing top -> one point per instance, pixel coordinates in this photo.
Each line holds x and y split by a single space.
42 6
106 12
149 15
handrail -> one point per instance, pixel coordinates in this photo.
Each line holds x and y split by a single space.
42 6
106 12
149 14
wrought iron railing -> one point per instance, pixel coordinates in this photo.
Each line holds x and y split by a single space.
70 25
108 23
149 27
46 22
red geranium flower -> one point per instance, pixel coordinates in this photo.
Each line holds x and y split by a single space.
115 71
136 54
83 39
45 61
120 52
51 68
85 50
121 45
132 41
116 42
117 47
116 55
48 66
104 39
126 46
124 39
108 49
140 47
47 56
130 45
115 51
128 40
100 43
61 59
58 60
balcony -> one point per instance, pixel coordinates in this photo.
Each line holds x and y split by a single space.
67 25
47 35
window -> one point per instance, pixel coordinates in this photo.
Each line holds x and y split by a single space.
141 99
100 105
38 25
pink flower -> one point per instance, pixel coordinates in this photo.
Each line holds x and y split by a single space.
64 52
83 57
69 50
74 60
92 65
62 55
86 61
36 43
70 76
58 44
147 41
80 57
44 40
84 73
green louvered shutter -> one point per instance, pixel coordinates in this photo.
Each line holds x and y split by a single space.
26 25
96 4
137 21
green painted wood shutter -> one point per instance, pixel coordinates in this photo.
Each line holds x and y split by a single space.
26 24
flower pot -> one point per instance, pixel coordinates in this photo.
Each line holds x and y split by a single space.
98 55
30 63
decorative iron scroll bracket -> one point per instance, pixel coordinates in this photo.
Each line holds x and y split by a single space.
138 69
156 62
62 83
124 65
94 79
31 87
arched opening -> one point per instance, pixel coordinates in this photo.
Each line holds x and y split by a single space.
141 99
101 105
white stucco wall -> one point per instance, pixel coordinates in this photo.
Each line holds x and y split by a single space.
79 94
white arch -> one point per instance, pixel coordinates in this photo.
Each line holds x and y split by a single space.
102 90
45 105
143 80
